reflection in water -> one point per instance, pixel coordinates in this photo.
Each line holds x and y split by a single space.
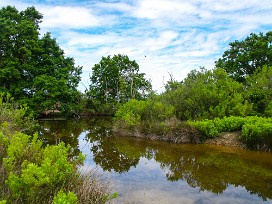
163 169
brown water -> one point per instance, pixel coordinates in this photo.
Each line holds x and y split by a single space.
146 171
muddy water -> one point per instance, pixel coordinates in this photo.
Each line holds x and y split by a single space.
146 171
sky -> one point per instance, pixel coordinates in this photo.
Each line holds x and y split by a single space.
165 37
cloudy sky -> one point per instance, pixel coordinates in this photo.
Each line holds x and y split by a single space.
163 36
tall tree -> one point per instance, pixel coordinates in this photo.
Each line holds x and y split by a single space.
18 40
246 56
117 79
32 69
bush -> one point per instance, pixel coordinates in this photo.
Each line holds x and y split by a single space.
63 198
229 124
32 173
130 113
212 128
256 131
136 113
206 127
16 116
207 94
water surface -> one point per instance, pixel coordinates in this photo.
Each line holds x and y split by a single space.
145 171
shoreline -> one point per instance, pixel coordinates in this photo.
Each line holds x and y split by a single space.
228 139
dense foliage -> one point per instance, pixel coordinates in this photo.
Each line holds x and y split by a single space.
33 69
207 94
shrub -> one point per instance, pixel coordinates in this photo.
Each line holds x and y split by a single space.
206 127
256 131
258 134
232 123
135 113
36 174
130 113
18 117
34 171
207 94
63 198
212 128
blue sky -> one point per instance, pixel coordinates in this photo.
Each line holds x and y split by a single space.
163 36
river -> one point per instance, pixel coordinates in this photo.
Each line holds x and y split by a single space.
145 171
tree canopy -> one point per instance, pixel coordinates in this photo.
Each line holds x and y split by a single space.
117 79
246 56
207 94
34 69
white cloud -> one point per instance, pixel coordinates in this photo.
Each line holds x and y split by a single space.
68 17
157 9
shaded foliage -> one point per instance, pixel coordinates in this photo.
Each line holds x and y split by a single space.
34 70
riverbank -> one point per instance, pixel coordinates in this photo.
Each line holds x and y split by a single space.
232 139
149 171
251 132
189 136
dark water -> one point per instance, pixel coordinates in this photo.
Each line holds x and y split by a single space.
146 171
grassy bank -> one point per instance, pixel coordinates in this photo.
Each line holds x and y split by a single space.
254 132
171 130
34 173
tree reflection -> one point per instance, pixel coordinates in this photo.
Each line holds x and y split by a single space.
104 148
201 166
212 170
67 131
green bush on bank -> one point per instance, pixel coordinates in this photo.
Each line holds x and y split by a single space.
134 112
14 114
255 131
63 198
206 127
34 173
212 128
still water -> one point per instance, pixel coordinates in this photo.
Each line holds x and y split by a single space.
146 171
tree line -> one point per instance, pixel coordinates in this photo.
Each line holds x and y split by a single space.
36 72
